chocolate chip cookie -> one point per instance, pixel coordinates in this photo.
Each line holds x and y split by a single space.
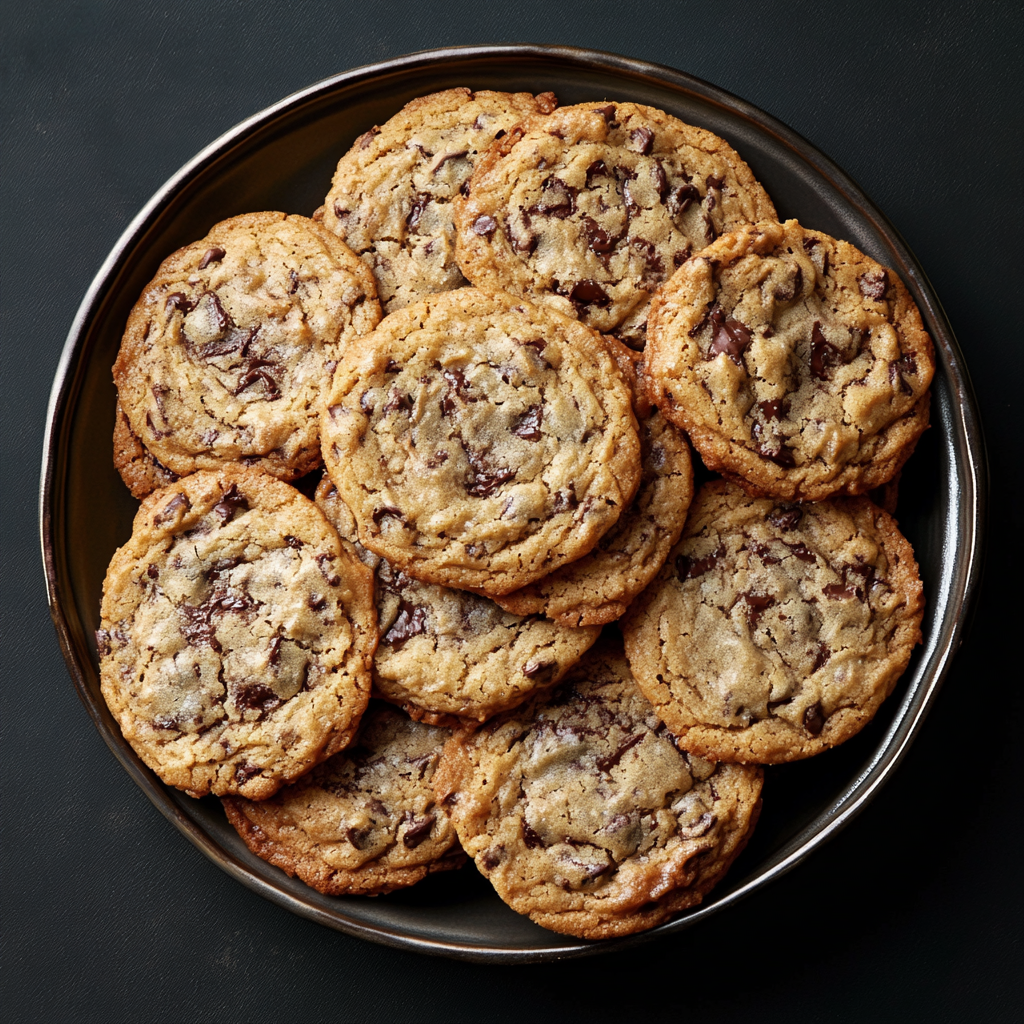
481 442
775 631
592 208
365 822
795 363
237 634
583 814
226 352
450 652
598 587
392 193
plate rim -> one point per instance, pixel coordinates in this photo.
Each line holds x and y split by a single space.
967 435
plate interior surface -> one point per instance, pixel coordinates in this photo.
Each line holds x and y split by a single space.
283 159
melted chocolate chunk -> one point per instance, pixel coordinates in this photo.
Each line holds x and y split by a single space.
821 656
801 552
680 199
396 400
902 368
417 829
411 621
231 503
874 285
485 225
606 764
823 355
608 112
762 552
642 140
387 510
588 293
531 838
774 409
212 255
367 138
688 568
449 156
730 337
527 425
781 456
246 771
599 240
178 301
257 371
557 199
660 179
257 697
598 169
419 204
814 719
757 605
357 836
179 503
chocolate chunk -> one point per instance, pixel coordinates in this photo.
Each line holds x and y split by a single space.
246 771
178 301
419 204
525 242
701 827
730 337
599 240
257 371
492 857
417 829
598 169
762 552
680 199
660 179
357 836
527 424
814 719
757 604
824 356
486 481
900 369
801 552
531 838
103 645
212 255
540 671
785 517
257 697
340 212
821 656
485 225
411 621
839 591
781 456
565 500
654 269
774 409
366 138
293 285
230 503
387 510
557 199
608 112
446 157
788 290
632 206
396 400
317 602
589 293
437 459
874 284
234 340
179 503
606 764
688 568
642 140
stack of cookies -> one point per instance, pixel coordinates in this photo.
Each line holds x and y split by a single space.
419 572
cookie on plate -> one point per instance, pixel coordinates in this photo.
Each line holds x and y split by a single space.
592 208
480 441
446 652
775 631
598 587
795 363
391 195
365 822
237 634
583 814
227 350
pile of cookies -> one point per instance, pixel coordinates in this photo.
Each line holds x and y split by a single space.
419 571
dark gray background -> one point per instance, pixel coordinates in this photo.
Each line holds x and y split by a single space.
913 913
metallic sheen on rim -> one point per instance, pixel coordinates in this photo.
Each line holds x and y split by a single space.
278 149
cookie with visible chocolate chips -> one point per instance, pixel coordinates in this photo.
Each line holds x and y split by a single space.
775 631
592 208
365 822
392 193
237 634
583 814
598 587
481 442
446 652
796 364
226 352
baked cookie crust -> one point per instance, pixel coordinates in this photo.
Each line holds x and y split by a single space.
592 208
775 631
796 364
237 635
584 815
481 442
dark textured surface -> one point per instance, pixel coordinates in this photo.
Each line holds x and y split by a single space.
913 913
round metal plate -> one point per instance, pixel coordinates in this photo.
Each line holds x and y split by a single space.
283 159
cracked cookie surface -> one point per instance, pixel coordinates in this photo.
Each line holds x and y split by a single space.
392 193
796 364
365 822
775 631
451 652
592 208
237 634
481 442
225 354
598 587
584 815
